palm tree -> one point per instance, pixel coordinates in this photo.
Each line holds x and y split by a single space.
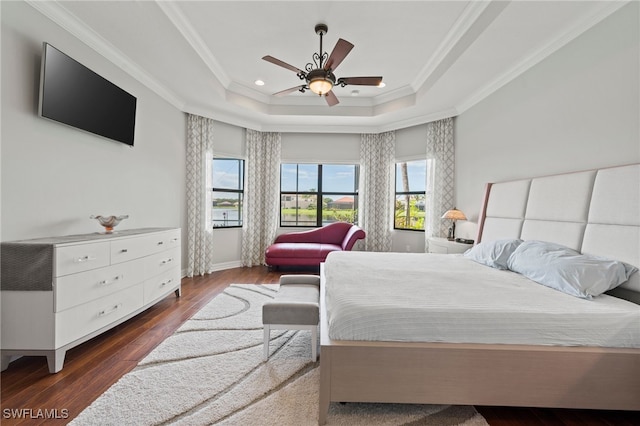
407 197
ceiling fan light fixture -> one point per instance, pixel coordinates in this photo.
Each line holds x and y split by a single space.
319 76
320 86
320 81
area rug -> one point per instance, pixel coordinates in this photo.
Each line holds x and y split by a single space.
211 371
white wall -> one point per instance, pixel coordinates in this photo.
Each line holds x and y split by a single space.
576 110
54 177
333 148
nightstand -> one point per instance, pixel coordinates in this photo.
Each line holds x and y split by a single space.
442 245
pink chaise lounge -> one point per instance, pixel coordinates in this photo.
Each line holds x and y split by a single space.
310 248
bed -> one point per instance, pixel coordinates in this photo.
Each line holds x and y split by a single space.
588 356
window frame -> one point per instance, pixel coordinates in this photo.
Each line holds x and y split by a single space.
319 193
241 181
409 193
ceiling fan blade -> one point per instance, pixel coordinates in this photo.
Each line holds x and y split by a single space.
331 98
290 90
276 61
361 81
340 51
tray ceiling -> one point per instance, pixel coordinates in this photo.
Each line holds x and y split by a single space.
438 58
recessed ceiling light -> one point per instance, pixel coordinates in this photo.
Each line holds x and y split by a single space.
259 83
381 84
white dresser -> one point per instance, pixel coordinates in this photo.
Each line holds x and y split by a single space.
59 292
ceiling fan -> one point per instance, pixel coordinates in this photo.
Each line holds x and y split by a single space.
319 75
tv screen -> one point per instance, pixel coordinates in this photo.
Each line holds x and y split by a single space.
72 94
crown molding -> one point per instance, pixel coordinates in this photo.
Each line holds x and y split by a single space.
70 23
182 24
539 55
223 115
419 120
462 25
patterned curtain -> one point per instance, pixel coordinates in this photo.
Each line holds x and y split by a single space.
199 229
440 179
260 212
377 152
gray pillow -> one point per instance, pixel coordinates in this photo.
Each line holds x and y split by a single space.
493 253
559 267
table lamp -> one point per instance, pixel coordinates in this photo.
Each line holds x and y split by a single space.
453 214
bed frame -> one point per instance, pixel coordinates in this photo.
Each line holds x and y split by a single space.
597 212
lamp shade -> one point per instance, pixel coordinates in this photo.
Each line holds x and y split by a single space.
454 214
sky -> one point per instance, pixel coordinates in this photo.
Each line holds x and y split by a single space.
336 177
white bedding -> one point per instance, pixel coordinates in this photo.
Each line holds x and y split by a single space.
448 298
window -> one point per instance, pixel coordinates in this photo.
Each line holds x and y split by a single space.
227 182
317 194
410 195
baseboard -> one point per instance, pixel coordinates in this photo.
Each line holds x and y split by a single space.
220 267
226 265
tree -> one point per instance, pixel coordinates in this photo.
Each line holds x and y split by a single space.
405 189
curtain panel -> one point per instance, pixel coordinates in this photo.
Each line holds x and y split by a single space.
199 227
377 153
262 190
440 178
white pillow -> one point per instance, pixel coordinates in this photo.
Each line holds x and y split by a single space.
493 253
559 267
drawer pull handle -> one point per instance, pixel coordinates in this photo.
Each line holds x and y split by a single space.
113 281
164 262
174 240
85 259
109 311
124 251
160 243
165 283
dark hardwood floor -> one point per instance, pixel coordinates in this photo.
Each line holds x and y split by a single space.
91 368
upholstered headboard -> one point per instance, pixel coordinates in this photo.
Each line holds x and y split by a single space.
595 212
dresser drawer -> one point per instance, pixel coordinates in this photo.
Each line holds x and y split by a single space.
162 262
163 241
128 249
75 289
161 285
84 319
172 239
81 257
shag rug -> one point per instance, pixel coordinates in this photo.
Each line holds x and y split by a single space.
211 371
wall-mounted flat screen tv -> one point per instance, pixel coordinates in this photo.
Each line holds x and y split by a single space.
72 94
